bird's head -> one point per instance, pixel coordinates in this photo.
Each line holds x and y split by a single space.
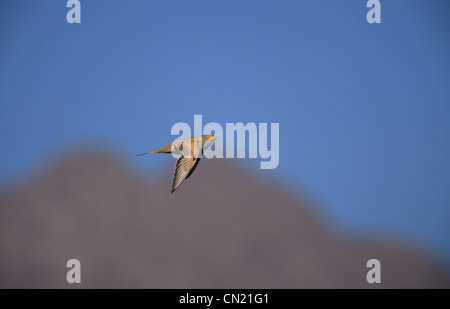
212 136
209 139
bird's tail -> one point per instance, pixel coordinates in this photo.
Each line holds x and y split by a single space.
164 149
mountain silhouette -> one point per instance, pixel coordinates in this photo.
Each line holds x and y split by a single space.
223 228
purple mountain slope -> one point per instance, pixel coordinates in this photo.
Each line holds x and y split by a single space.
221 229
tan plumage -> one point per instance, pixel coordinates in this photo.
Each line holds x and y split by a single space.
191 149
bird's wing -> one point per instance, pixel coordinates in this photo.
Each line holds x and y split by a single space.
183 169
193 168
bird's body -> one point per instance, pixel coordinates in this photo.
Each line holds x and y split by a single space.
191 150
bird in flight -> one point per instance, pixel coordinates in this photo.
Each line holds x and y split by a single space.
191 150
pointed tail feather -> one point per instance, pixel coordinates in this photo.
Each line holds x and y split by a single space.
164 149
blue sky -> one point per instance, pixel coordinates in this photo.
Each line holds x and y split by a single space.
363 108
